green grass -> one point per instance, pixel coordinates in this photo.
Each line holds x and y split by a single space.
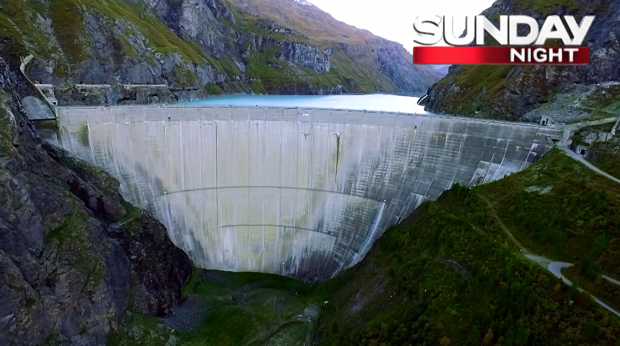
127 47
258 87
70 242
30 302
190 285
213 89
225 326
18 22
358 78
275 74
184 77
241 307
401 294
142 331
472 81
229 67
607 156
132 220
67 21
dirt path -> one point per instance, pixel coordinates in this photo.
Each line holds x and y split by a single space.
501 223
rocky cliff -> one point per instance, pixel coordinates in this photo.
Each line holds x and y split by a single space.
74 256
513 92
195 48
362 61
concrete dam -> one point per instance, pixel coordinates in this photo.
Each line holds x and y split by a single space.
298 192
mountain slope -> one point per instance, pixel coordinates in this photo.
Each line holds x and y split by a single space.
511 92
195 48
380 60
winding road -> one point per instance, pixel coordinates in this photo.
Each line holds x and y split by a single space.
556 269
553 267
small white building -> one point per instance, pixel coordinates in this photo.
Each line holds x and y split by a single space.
545 120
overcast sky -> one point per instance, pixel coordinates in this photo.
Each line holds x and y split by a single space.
393 19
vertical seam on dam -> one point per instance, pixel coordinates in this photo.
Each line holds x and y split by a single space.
217 180
337 155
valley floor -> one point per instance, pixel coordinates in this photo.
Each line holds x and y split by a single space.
236 309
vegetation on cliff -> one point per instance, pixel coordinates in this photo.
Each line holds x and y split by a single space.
73 254
451 274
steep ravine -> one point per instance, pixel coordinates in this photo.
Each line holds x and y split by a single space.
74 256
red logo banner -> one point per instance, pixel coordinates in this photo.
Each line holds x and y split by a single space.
532 55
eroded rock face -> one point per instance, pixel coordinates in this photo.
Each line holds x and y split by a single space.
306 56
73 254
397 64
523 89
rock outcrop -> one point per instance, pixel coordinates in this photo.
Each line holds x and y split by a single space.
510 92
361 61
73 254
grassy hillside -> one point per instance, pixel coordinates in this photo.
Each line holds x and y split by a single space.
451 275
319 26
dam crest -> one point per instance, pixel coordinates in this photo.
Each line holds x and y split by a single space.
297 192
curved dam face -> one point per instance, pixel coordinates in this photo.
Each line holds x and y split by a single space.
297 192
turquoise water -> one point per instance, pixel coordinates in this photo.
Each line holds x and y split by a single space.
372 102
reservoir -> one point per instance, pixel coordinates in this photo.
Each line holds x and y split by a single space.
373 102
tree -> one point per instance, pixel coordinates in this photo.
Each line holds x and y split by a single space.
488 338
439 326
591 330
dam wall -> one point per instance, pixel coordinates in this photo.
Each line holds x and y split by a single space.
298 192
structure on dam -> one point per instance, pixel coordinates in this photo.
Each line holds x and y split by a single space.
297 192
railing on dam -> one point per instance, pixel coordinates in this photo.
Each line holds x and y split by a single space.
299 192
239 112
